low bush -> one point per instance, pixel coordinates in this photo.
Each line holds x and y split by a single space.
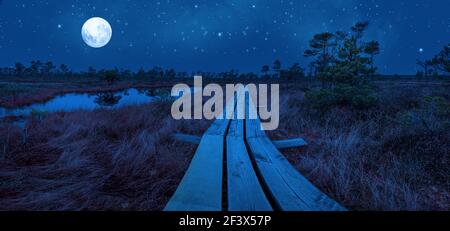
343 95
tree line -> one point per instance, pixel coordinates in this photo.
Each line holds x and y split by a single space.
340 57
48 69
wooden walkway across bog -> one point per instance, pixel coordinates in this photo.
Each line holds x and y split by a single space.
238 168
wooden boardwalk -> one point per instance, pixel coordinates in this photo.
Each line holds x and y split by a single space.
257 176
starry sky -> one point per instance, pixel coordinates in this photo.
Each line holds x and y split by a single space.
211 35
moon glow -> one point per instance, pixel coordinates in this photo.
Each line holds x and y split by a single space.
96 32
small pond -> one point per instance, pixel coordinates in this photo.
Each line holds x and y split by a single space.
86 101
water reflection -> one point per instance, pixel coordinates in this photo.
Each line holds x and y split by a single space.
157 92
108 99
85 101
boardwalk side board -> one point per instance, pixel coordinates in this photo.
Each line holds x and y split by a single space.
244 191
291 143
287 187
201 187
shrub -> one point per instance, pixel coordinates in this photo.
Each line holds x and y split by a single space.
438 105
342 95
110 76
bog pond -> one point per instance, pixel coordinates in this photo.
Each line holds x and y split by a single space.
86 101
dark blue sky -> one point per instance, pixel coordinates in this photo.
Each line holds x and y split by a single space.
216 35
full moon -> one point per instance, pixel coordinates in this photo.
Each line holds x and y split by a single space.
96 32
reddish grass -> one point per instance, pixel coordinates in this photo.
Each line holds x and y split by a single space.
393 157
120 159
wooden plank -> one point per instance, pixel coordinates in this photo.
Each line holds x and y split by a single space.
244 191
253 126
201 187
287 187
291 143
187 138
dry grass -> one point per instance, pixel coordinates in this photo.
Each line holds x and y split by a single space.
102 160
393 157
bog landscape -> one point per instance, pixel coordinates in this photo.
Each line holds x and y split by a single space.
352 134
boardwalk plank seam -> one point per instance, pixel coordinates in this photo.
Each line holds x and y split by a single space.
257 176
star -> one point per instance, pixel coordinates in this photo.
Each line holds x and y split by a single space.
258 29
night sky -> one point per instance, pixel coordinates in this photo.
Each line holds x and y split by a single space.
212 35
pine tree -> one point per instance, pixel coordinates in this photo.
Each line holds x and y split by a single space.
372 48
277 67
265 69
348 74
320 48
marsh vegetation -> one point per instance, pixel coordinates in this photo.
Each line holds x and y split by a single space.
375 142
